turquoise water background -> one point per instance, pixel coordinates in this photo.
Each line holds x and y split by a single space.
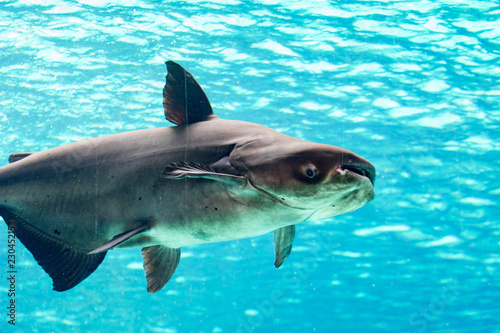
413 86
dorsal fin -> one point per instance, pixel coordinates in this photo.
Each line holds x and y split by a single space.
18 156
183 99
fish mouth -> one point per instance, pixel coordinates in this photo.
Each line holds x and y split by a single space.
364 171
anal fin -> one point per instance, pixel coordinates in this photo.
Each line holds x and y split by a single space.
65 264
283 239
160 263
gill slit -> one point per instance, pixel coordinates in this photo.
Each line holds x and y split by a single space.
273 197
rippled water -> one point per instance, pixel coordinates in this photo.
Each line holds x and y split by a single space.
411 85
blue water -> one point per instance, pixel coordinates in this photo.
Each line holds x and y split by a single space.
413 86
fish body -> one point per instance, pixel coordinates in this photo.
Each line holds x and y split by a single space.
205 180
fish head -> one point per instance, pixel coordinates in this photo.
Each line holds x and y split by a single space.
325 179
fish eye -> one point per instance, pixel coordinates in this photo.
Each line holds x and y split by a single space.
310 172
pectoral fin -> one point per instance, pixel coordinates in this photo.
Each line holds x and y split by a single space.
118 239
160 263
283 239
182 170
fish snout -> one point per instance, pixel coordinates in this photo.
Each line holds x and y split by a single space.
358 165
